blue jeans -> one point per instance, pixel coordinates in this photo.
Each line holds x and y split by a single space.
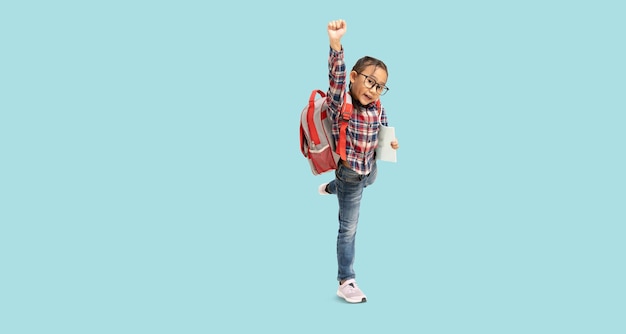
348 186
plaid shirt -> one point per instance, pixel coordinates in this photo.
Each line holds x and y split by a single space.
362 133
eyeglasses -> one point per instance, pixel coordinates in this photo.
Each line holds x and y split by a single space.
370 83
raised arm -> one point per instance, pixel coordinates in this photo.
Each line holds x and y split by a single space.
336 67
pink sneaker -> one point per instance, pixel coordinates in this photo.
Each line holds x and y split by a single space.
322 189
350 291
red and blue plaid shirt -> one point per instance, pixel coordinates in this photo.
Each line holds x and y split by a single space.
362 133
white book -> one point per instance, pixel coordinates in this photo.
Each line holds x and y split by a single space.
384 152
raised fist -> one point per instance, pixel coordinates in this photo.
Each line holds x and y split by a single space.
336 29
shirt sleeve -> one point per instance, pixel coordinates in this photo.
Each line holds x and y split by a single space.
383 116
337 81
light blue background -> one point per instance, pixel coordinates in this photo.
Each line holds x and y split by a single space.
151 180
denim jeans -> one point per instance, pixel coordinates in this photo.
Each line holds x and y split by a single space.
348 186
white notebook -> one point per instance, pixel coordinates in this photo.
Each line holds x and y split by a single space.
384 152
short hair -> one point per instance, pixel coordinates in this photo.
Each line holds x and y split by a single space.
366 61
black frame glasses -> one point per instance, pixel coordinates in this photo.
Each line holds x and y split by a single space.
370 83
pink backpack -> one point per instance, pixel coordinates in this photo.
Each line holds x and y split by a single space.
316 139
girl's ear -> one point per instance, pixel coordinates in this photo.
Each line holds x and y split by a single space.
353 76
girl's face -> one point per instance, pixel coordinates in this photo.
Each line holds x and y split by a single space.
368 84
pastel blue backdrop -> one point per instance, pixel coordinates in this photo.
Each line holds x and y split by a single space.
151 179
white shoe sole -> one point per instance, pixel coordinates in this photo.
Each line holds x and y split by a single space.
322 189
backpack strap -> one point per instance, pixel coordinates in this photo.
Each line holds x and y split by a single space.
346 113
310 113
